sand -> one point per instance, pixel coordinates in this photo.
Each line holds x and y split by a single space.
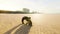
42 23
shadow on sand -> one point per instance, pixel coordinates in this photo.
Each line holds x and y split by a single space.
24 29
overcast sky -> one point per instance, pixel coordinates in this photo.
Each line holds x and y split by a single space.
45 6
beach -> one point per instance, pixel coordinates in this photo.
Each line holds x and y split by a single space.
42 23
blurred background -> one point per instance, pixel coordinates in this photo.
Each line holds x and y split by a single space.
45 15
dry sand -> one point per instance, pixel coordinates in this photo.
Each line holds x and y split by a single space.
42 23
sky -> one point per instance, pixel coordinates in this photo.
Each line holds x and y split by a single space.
44 6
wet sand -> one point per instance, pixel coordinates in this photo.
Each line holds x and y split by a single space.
42 23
